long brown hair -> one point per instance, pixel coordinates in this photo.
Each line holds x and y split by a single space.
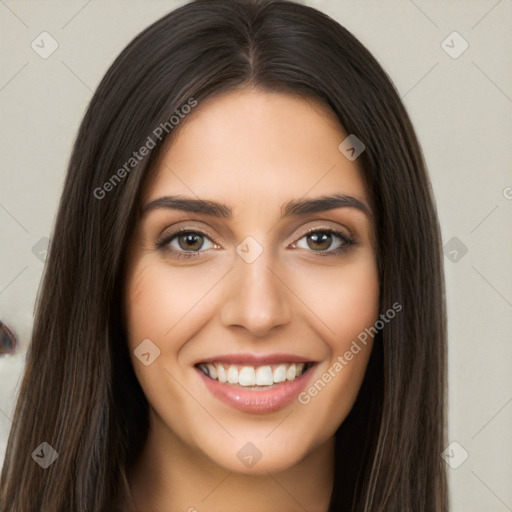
79 392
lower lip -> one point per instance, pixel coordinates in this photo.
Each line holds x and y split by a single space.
258 402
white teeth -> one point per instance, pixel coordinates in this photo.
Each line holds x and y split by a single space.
290 373
212 370
280 373
253 376
247 376
221 373
264 376
233 375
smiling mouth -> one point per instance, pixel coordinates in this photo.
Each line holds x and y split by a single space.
254 377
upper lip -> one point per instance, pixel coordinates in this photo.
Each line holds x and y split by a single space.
256 359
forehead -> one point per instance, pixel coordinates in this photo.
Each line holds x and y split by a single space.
253 147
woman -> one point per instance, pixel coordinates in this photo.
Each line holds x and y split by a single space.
242 307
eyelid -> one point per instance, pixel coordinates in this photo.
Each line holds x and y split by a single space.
332 229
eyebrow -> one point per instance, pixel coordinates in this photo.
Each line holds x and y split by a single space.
289 209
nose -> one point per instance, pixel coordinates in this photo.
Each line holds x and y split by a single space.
258 298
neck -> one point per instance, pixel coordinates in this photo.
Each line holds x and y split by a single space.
171 476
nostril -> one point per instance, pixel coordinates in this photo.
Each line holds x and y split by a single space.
7 340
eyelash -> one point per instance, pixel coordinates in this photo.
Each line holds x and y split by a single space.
347 242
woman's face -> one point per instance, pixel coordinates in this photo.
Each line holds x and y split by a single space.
237 265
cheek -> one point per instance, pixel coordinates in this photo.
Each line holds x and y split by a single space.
161 302
344 298
346 301
143 303
156 309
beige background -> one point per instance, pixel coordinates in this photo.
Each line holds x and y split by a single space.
462 111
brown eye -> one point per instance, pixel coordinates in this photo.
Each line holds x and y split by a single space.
320 240
325 242
7 340
190 241
186 243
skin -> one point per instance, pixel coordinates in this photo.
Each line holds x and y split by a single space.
252 151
